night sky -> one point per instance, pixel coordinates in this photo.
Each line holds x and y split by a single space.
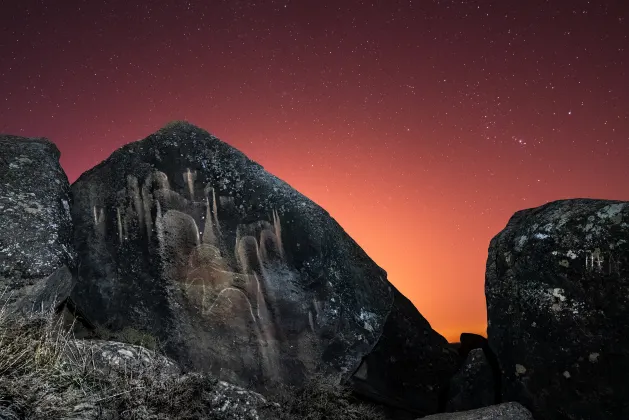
421 126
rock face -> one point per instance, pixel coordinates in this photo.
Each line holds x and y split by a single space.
233 272
473 385
505 411
409 363
36 252
557 289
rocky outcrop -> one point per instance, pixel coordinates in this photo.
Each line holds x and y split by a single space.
557 288
473 385
408 364
183 238
505 411
36 252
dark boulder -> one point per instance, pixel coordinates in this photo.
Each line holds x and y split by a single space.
469 342
232 271
36 252
410 363
557 289
473 385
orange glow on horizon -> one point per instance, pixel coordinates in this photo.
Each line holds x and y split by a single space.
430 233
421 127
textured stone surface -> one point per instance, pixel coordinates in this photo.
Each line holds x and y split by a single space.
240 403
505 411
473 385
105 355
182 237
410 363
36 253
557 288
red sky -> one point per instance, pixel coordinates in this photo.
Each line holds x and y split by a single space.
421 126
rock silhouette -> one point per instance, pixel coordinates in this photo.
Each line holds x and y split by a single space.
556 285
234 272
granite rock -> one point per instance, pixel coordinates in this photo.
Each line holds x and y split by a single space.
557 289
36 251
182 237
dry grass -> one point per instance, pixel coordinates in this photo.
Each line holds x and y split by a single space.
45 374
322 400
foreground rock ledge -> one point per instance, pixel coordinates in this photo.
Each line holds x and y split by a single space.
557 288
505 411
36 252
232 271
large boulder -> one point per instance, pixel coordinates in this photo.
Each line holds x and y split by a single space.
232 271
557 289
504 411
36 252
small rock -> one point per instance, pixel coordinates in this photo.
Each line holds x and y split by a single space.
473 385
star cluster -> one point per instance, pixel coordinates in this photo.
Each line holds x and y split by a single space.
421 126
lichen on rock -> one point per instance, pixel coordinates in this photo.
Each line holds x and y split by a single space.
36 251
555 300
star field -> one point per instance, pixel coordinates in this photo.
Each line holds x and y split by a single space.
421 126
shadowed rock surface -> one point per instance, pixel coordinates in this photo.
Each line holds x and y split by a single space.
36 252
473 385
469 342
182 237
408 361
505 411
557 288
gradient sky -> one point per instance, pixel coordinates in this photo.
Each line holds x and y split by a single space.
421 126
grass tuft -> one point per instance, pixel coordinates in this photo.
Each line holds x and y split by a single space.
45 373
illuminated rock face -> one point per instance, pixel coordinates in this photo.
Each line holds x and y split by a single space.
36 252
183 237
557 288
234 272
